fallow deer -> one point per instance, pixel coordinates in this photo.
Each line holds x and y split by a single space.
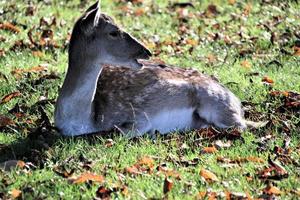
107 87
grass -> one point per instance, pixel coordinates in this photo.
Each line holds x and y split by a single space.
230 44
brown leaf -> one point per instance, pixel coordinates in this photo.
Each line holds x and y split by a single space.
15 193
139 12
231 2
246 64
85 177
209 150
5 121
241 160
10 27
9 97
132 170
211 11
274 171
37 54
168 172
2 53
104 193
247 9
109 143
296 51
208 176
146 161
168 185
272 190
64 173
266 79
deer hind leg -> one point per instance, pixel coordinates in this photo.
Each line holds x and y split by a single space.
222 116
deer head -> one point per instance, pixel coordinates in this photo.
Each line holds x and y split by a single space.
97 38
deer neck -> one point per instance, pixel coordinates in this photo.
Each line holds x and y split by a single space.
74 109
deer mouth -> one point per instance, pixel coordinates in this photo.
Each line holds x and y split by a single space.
143 54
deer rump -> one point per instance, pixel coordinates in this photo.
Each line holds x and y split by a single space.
164 99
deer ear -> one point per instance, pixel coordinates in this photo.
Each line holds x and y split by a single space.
93 7
98 14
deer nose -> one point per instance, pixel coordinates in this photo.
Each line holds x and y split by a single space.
148 52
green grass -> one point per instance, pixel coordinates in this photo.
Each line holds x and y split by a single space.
49 152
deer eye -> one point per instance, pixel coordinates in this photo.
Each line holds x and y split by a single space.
114 34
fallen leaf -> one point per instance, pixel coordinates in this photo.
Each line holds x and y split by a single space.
103 193
109 143
139 12
296 51
209 150
88 177
274 171
146 161
211 10
9 97
10 27
208 176
133 170
5 121
266 79
247 9
168 185
201 195
272 190
37 54
231 2
2 53
246 64
168 172
15 193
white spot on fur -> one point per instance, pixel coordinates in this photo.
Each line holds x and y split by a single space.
177 81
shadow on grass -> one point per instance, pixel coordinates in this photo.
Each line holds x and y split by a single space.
33 147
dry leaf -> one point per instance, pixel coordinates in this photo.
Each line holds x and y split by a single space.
10 27
146 161
208 176
139 12
5 121
266 79
132 170
109 143
296 51
246 64
2 53
168 172
37 54
9 97
211 11
168 185
209 150
255 159
88 177
192 42
247 9
201 195
231 2
272 190
16 193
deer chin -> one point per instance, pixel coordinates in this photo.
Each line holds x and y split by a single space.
135 64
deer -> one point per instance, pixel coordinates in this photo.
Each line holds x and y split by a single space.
111 83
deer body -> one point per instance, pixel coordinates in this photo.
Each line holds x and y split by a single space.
104 90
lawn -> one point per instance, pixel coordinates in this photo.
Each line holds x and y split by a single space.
251 47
